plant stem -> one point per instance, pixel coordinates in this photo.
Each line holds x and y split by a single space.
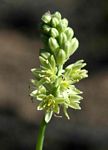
40 139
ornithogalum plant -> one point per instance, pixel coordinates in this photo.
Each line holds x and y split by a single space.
54 85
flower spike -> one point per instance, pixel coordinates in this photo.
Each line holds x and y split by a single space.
54 86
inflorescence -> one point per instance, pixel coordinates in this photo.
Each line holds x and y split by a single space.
54 86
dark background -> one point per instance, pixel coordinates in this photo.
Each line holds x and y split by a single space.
19 47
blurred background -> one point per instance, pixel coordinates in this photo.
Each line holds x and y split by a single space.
19 48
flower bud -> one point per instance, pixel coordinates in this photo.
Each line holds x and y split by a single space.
65 22
46 28
54 32
57 14
74 45
53 44
61 27
62 39
69 32
61 56
54 21
46 18
67 47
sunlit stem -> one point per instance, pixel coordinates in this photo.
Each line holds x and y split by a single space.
40 138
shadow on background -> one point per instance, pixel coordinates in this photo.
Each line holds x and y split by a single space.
19 47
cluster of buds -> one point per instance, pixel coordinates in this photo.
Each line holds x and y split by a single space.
54 86
58 37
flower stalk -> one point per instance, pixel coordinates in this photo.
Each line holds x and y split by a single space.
40 138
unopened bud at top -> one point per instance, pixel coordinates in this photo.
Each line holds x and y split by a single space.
46 18
65 22
62 25
57 14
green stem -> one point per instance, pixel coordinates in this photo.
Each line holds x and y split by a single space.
40 139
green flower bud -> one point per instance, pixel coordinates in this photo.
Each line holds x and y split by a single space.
53 44
57 14
54 21
71 46
61 27
67 46
46 28
46 18
74 45
62 39
69 32
54 32
64 22
61 57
